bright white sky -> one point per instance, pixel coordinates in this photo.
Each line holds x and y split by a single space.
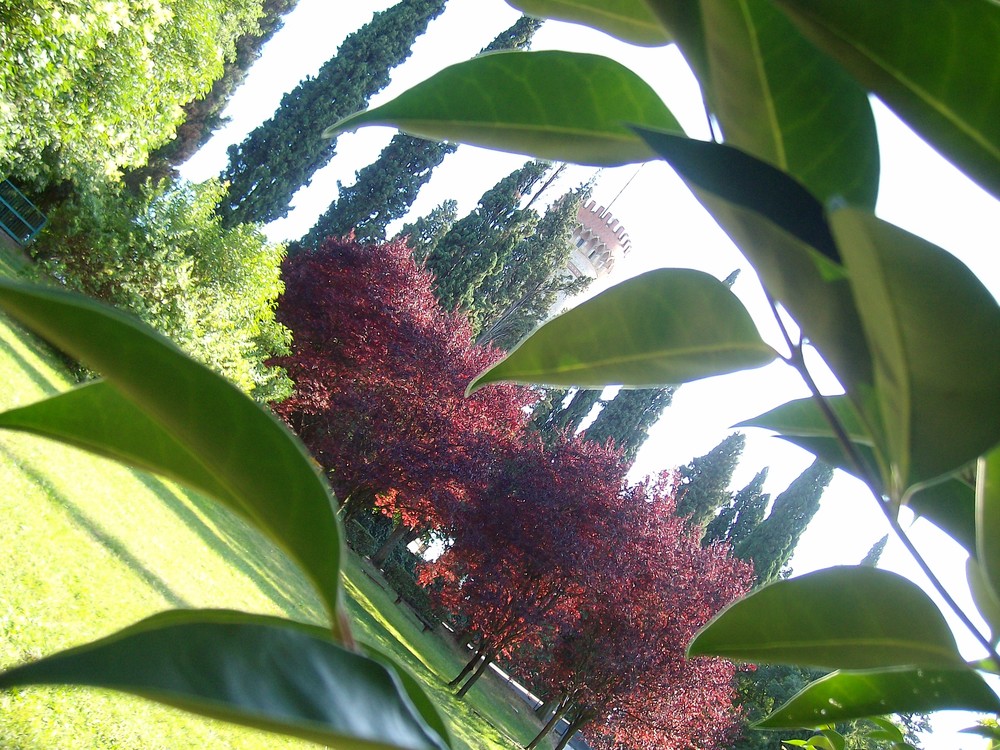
667 226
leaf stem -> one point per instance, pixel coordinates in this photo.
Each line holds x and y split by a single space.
796 360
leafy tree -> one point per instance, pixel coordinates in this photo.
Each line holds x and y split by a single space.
476 245
625 420
427 231
380 373
162 255
281 155
203 115
620 666
385 189
90 90
523 547
704 481
771 544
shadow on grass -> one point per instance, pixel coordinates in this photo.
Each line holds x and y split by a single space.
35 375
242 548
111 543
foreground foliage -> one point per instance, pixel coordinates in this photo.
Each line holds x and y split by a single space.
908 330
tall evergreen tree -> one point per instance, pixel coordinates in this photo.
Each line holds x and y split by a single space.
875 553
280 156
385 189
627 417
475 245
705 480
771 544
426 232
203 116
737 520
554 416
523 286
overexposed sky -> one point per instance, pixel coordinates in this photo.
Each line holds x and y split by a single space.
919 192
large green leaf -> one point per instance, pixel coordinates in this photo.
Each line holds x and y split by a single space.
988 519
782 230
259 671
562 106
934 62
98 418
264 472
950 505
842 696
664 326
984 597
804 423
837 618
628 20
779 98
934 333
683 23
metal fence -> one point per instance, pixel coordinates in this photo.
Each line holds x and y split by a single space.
19 217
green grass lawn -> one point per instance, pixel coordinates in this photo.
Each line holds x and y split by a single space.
90 546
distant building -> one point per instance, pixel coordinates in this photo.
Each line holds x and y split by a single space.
599 242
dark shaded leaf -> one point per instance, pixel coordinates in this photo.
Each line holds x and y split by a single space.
259 671
951 506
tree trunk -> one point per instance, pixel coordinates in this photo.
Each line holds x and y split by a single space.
561 706
379 558
578 723
470 666
488 658
467 636
545 708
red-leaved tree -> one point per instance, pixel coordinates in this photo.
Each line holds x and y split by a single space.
380 372
521 550
619 667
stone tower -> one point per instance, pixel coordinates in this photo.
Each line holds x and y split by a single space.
599 242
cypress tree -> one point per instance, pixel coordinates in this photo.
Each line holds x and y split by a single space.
704 481
473 248
427 231
203 116
737 520
627 417
551 417
518 294
385 189
771 544
871 559
280 156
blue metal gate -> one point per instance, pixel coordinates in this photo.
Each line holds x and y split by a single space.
19 217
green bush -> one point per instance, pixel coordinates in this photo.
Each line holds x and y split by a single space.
163 256
407 588
360 540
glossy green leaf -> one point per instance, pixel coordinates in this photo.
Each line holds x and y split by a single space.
950 505
886 730
628 20
265 472
425 705
97 417
934 333
803 418
983 595
664 326
842 696
562 106
934 62
263 672
988 519
837 618
783 231
779 98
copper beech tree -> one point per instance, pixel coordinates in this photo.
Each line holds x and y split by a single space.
380 372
